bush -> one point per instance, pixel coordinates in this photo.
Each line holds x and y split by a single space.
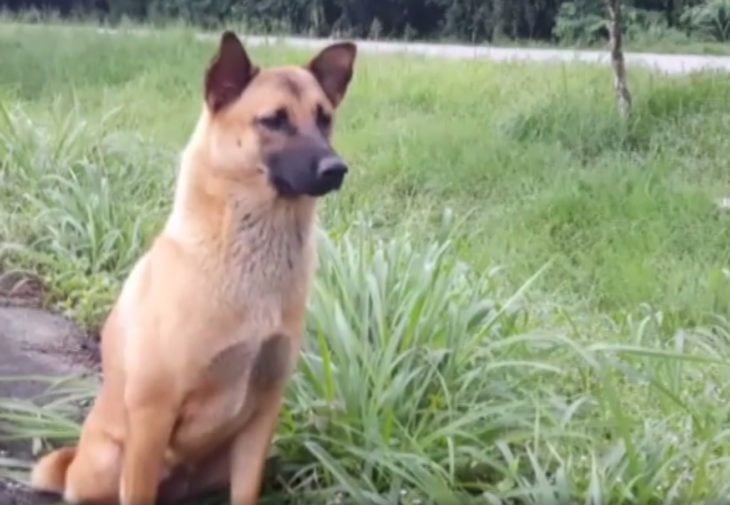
135 9
585 22
638 22
581 21
66 192
574 21
710 19
421 384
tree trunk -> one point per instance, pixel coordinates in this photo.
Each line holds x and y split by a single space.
623 95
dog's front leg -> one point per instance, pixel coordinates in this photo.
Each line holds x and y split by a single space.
250 449
149 425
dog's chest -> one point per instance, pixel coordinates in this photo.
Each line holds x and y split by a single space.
270 260
229 389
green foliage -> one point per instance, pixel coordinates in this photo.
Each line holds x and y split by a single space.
585 22
638 22
204 12
710 19
422 382
567 21
135 9
59 204
581 21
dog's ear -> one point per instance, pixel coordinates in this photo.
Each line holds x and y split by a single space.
228 74
333 69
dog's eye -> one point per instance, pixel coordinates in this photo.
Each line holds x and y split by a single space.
279 120
324 120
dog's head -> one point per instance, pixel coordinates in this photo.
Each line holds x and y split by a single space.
270 128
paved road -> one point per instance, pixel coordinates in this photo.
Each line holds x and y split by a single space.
667 63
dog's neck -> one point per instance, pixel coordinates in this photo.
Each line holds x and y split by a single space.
222 218
258 253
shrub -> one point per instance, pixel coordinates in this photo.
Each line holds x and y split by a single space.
79 202
710 19
581 21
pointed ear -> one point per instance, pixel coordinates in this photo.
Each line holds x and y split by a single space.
333 69
228 74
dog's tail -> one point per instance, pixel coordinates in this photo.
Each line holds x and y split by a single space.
49 474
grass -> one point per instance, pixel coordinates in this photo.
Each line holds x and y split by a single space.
522 299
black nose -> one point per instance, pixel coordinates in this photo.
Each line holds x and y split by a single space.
331 167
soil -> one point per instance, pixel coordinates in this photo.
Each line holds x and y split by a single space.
12 493
35 342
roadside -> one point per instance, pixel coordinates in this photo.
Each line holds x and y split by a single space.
669 63
666 63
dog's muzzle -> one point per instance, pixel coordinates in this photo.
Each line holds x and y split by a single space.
306 168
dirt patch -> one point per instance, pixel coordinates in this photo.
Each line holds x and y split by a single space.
21 289
34 342
12 493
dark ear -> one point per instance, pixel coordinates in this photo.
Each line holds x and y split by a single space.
228 74
333 69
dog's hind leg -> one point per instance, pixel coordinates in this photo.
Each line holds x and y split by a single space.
89 472
49 474
209 475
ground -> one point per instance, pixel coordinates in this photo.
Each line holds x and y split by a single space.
522 298
35 342
15 494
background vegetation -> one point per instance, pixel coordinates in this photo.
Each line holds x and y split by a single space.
569 22
522 298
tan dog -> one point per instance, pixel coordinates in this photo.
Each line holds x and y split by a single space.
200 344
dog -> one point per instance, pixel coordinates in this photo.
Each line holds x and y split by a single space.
200 344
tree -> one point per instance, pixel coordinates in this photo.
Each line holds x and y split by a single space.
623 95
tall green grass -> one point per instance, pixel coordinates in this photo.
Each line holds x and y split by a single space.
521 298
422 382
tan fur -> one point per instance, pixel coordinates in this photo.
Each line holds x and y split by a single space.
208 325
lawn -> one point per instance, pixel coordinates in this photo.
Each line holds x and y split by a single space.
521 298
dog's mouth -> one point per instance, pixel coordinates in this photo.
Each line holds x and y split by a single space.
283 187
293 187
